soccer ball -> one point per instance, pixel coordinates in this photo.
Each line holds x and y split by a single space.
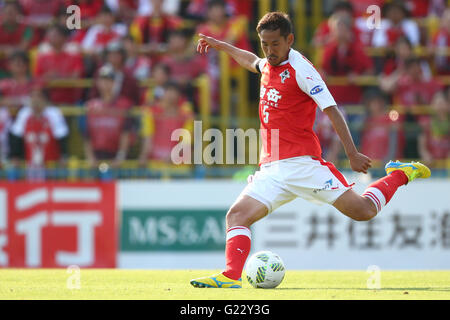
265 269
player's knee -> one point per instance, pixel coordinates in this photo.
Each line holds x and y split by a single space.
360 211
364 213
236 217
364 216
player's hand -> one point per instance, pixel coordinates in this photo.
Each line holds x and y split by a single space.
359 162
205 42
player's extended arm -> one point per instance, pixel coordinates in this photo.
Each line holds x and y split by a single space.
245 58
358 161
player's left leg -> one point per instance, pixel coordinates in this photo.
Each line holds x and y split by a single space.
263 194
379 193
242 214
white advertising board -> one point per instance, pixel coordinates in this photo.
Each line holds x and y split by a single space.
411 232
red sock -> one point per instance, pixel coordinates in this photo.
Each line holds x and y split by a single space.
237 248
382 190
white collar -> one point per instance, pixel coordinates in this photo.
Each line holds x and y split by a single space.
285 61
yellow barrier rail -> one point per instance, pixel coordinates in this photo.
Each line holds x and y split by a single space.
202 82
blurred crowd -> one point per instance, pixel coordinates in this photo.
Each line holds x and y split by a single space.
124 43
414 38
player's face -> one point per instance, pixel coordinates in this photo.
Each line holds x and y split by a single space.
275 46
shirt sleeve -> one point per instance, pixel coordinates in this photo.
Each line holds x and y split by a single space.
89 39
311 83
260 64
18 127
58 124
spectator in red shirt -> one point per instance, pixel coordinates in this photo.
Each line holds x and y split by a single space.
104 32
126 84
89 9
108 122
14 35
395 24
151 31
434 142
125 10
40 13
160 120
58 61
412 87
39 135
15 90
345 57
180 57
136 64
423 8
222 27
382 138
360 6
395 61
161 74
322 35
197 9
441 44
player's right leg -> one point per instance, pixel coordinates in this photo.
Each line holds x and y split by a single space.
366 206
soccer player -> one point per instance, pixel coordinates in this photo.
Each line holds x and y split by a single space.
290 164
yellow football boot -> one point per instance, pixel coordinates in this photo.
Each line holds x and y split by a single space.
216 281
412 169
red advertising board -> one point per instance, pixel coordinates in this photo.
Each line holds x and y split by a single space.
58 224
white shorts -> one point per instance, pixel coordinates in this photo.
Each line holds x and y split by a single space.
310 178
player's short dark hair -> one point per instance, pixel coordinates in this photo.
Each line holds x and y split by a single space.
275 20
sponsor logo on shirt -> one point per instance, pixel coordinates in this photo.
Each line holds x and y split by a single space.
273 95
316 90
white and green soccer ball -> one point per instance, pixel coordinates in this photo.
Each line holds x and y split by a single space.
265 269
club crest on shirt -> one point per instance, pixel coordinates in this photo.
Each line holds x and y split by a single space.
285 75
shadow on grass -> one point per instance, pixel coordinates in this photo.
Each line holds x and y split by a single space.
376 290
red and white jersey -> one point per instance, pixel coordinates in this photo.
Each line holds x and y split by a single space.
106 122
289 95
40 133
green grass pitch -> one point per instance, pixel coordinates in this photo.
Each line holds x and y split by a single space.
174 285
